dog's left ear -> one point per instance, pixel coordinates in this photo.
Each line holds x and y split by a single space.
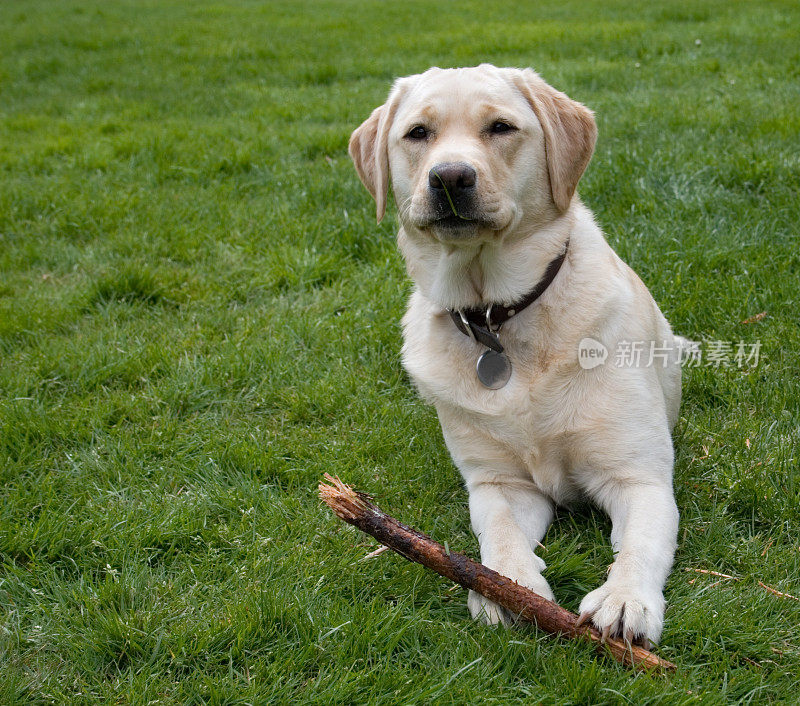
369 147
569 130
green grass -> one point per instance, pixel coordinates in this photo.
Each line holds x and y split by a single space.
198 317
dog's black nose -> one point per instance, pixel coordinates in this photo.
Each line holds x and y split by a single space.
452 177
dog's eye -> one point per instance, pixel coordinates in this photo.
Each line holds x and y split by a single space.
417 133
499 127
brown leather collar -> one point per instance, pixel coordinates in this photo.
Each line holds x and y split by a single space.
482 323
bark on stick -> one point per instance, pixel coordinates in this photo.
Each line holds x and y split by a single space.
358 510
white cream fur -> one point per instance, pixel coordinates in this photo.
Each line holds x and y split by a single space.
555 434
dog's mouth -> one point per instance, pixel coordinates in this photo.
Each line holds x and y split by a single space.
460 221
452 227
457 218
457 227
456 221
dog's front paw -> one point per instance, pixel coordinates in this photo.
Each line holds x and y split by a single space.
620 611
490 613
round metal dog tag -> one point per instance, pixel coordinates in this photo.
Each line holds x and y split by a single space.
494 369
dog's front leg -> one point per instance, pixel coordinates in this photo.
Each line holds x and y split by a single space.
509 513
509 519
645 526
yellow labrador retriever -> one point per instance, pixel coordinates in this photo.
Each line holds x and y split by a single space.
512 278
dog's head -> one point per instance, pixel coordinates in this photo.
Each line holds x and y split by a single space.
474 152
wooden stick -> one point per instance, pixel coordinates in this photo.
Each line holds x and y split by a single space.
358 510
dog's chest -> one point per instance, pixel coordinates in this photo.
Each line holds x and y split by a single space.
526 431
523 418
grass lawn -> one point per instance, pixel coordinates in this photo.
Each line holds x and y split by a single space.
199 317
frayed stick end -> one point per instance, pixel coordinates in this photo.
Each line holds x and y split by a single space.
341 498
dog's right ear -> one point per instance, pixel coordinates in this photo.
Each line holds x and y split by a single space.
369 147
